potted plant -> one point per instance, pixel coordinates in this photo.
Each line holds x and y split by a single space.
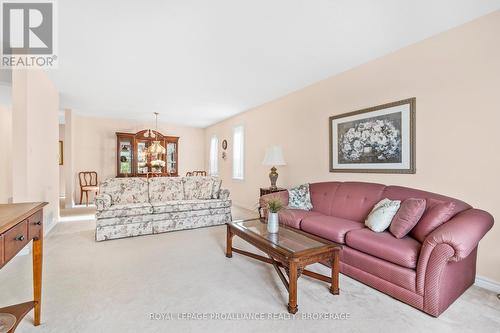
274 205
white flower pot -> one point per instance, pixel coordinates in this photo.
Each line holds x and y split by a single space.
272 223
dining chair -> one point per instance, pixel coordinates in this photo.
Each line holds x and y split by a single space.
88 183
196 173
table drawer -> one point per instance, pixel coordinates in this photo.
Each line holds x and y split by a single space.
2 260
15 239
35 225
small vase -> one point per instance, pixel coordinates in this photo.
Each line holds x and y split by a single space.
272 223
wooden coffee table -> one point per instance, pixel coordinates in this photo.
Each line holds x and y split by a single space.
290 249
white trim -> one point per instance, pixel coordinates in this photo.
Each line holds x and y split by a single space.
487 284
48 227
243 206
213 168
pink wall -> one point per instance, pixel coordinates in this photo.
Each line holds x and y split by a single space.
455 77
6 153
94 144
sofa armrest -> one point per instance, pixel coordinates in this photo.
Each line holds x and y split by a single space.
224 194
282 196
462 233
452 242
103 201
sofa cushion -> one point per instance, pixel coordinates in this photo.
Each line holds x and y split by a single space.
354 200
329 227
322 195
191 213
406 218
197 187
368 265
126 190
122 220
217 183
293 217
384 245
125 210
402 193
165 189
436 213
188 205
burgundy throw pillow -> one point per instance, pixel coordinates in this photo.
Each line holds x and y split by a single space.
437 213
406 218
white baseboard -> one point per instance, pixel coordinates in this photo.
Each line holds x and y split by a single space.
487 284
49 227
237 204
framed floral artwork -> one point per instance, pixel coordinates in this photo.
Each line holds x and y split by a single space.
380 139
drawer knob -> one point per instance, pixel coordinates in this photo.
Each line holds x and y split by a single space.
20 238
38 223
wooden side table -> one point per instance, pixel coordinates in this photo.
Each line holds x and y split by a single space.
19 224
268 190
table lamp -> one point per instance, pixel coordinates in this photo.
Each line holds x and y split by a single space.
273 158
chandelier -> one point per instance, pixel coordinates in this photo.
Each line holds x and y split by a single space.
156 148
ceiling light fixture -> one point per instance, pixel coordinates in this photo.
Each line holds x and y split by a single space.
156 148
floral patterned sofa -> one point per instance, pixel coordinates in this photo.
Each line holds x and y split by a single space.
129 207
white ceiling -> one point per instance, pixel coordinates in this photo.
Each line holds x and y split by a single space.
197 62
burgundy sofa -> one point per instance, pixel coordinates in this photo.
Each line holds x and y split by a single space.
427 271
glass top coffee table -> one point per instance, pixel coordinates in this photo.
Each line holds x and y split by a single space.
289 249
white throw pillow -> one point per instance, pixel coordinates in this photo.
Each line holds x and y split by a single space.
381 216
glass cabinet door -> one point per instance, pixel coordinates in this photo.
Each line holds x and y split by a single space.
172 158
125 153
134 160
142 158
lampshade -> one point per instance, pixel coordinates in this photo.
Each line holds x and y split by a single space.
274 156
156 148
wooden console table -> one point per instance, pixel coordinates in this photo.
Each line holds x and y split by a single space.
19 224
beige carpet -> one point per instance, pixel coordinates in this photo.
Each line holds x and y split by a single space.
115 286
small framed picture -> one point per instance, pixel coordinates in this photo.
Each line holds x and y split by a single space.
380 139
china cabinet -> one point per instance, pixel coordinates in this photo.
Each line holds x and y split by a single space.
133 159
